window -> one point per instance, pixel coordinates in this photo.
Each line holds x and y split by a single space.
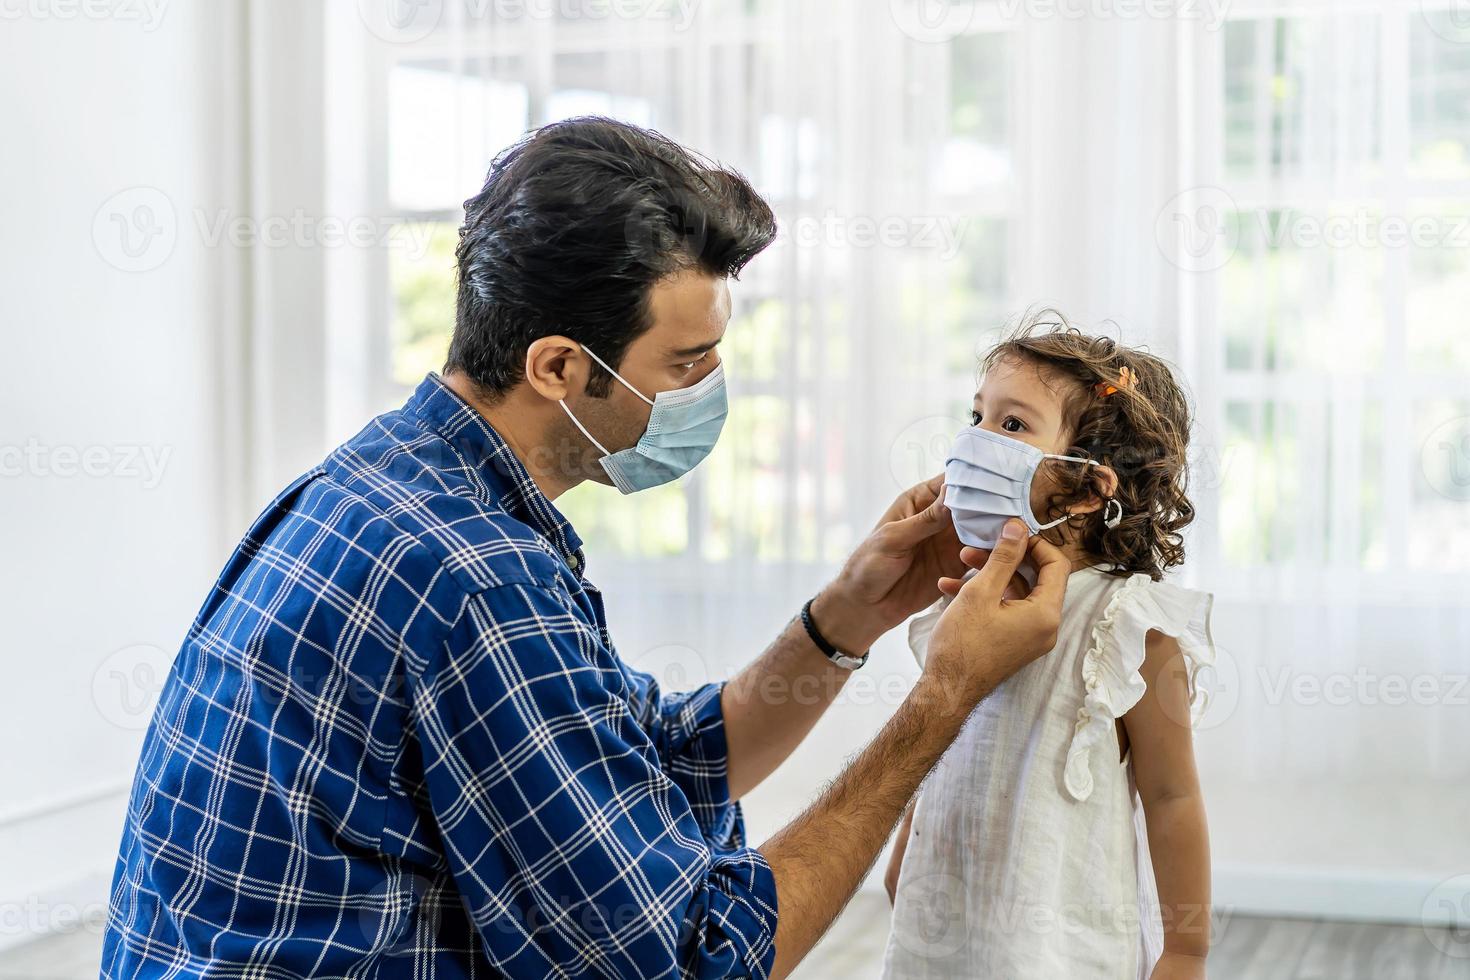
894 202
1337 319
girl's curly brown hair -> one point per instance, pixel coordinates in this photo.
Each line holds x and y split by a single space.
1140 430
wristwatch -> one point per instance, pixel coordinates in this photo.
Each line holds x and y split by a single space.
843 660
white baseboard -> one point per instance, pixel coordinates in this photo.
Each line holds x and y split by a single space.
1354 895
1344 895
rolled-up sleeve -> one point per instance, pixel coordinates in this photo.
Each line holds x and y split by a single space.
687 729
579 838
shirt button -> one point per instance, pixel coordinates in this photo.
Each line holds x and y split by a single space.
573 562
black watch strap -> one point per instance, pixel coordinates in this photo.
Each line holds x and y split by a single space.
844 660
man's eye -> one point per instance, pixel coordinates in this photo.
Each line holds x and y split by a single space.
1013 424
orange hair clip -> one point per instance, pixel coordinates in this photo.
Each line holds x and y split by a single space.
1125 380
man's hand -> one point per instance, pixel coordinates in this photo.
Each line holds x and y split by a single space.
894 572
981 639
984 637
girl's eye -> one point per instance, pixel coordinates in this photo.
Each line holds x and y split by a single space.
1013 424
974 418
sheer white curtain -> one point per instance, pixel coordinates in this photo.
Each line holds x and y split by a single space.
936 169
852 353
1323 249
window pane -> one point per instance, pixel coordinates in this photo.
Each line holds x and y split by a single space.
1439 289
634 86
977 151
1302 96
1303 290
444 126
421 269
1439 90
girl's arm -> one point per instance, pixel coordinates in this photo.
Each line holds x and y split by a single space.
895 860
1163 764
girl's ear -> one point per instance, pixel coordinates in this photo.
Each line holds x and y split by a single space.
1104 486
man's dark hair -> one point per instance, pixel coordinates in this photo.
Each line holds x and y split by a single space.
574 226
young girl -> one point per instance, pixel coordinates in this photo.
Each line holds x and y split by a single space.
1026 856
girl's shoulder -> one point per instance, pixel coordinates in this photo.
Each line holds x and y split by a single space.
1111 666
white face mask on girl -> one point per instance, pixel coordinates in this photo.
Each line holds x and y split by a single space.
987 481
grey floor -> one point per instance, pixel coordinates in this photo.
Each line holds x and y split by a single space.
1245 949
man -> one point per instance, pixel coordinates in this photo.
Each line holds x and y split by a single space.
397 740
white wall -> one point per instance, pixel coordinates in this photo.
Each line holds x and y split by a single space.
107 555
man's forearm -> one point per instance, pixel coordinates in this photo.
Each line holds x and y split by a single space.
821 857
772 704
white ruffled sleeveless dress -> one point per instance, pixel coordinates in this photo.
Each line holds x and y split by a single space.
1028 856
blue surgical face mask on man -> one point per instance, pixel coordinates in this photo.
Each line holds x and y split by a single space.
683 427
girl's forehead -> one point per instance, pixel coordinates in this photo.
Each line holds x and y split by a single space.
1011 376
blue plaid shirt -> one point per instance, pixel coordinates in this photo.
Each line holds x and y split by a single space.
397 742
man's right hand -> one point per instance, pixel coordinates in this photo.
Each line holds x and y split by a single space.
982 637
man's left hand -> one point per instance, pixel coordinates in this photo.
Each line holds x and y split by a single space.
894 572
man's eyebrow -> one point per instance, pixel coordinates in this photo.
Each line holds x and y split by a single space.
696 351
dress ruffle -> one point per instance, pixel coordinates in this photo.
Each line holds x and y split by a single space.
1113 661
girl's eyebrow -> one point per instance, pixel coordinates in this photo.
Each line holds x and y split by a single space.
1013 402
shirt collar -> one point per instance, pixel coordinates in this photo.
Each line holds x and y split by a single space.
444 412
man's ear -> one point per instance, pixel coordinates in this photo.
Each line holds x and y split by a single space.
556 367
1103 484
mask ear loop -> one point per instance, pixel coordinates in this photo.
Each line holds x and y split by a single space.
1067 517
607 367
1113 515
